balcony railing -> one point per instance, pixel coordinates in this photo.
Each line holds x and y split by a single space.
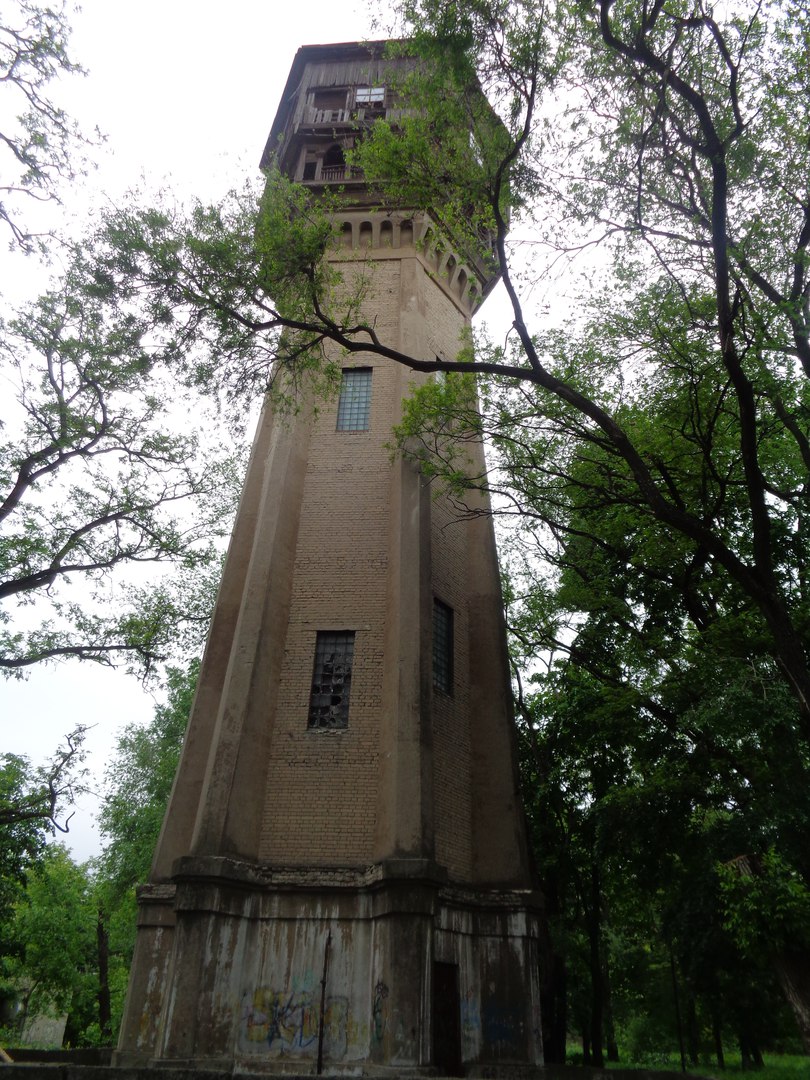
331 174
331 117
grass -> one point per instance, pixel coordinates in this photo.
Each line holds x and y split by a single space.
776 1067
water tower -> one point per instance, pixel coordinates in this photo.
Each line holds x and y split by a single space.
342 882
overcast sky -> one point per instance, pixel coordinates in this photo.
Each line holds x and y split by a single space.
185 92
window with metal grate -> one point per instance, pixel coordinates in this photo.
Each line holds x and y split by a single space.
442 646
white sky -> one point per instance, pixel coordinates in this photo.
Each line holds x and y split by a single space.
185 91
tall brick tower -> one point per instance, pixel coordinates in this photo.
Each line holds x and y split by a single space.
342 881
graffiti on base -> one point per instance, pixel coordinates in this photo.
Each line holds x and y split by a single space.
503 1028
289 1021
403 1051
379 1012
470 1017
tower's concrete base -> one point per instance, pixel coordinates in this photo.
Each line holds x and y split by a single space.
385 971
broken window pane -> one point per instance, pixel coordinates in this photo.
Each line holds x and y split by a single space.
331 679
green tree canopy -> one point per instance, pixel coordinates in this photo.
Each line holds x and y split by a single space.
52 935
101 472
40 146
660 134
40 797
138 784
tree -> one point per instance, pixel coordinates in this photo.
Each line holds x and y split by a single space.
686 712
39 797
95 480
768 904
667 154
633 817
33 803
139 781
53 929
67 932
39 146
22 836
138 784
100 474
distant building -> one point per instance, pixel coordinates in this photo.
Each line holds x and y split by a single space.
343 873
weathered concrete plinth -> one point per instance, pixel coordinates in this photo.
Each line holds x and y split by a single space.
292 963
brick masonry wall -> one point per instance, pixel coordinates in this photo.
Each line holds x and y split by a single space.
450 713
321 794
322 785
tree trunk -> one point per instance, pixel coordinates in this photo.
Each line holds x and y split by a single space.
104 1010
692 1035
794 976
597 991
750 1054
678 1024
554 1006
792 967
611 1046
553 983
745 1055
717 1034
